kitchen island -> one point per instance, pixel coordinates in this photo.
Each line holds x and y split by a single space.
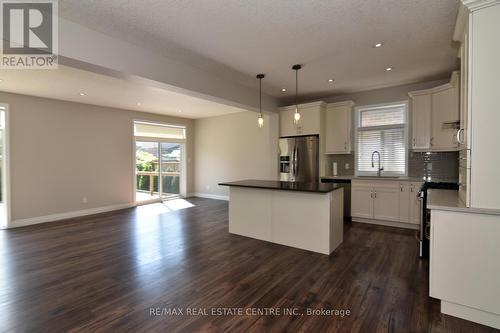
304 215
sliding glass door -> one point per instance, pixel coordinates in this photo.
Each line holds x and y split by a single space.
171 157
158 170
147 170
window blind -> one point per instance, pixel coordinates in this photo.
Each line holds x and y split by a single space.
381 129
151 130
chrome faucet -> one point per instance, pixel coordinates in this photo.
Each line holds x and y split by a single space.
373 163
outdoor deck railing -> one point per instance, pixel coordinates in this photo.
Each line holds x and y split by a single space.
152 175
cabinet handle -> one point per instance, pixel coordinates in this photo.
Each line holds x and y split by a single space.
371 194
432 142
401 188
459 140
345 145
414 142
375 194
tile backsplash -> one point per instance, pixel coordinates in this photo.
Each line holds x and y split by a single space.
436 165
442 165
341 164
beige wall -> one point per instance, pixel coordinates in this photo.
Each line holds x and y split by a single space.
232 147
61 152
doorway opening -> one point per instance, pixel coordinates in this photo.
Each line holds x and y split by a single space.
159 161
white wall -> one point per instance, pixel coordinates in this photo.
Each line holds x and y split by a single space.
61 152
232 147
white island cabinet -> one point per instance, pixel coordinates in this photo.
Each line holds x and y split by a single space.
307 216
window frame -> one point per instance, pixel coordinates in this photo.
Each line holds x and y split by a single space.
405 126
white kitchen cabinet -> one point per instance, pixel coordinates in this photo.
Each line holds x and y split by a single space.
362 200
337 127
445 116
414 203
421 104
464 269
404 202
310 119
386 202
464 135
435 116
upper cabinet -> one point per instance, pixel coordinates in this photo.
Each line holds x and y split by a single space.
436 117
310 119
337 128
421 105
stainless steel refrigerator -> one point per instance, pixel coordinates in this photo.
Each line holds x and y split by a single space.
299 159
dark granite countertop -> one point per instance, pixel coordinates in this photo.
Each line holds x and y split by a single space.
284 186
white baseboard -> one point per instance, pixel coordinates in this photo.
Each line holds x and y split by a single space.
467 313
68 215
211 196
387 223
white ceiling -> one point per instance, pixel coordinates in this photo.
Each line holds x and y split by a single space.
67 83
333 39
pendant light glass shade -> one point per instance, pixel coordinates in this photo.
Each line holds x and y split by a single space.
260 119
296 116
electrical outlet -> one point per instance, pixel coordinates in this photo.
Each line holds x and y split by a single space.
429 166
347 166
84 200
207 187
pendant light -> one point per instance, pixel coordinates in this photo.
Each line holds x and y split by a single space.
260 119
296 116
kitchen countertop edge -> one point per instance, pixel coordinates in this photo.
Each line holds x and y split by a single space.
268 185
448 200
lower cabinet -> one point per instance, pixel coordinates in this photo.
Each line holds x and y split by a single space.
361 201
404 202
464 266
414 203
386 201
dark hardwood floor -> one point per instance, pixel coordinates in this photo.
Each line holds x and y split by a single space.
109 272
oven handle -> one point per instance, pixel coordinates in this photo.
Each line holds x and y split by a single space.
421 199
427 231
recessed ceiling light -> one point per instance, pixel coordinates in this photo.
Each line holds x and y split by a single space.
180 110
378 45
82 94
139 104
283 89
1 80
330 80
388 69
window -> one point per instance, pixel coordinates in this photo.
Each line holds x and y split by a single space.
381 128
